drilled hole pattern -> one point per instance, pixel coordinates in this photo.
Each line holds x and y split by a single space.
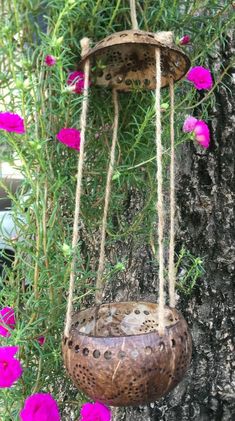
119 369
127 61
122 322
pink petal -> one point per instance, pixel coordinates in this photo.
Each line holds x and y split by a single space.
11 123
8 351
4 332
50 60
95 412
7 315
10 368
185 40
40 407
200 77
70 137
41 340
189 124
76 79
202 133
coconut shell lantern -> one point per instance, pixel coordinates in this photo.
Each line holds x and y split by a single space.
129 353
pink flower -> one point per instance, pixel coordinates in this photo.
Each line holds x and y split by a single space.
202 134
200 130
50 61
95 412
10 368
40 407
76 80
11 123
70 137
200 77
41 340
189 124
184 40
7 320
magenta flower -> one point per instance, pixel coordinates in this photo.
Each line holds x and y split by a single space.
11 122
10 368
184 40
200 77
40 407
95 412
41 340
50 61
76 81
199 129
70 137
202 134
7 320
189 124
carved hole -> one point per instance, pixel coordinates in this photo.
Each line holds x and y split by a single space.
108 355
146 82
128 83
134 353
172 343
148 350
136 311
85 351
77 348
108 76
123 35
151 36
70 344
146 312
96 353
65 340
121 354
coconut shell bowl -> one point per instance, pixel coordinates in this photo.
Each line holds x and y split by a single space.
115 354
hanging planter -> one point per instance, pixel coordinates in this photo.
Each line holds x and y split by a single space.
116 355
126 60
129 353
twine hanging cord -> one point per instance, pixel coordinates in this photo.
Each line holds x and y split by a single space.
133 15
160 208
100 281
160 205
171 265
85 48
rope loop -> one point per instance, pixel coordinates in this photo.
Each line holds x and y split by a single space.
83 120
100 281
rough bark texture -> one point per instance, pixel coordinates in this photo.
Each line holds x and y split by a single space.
205 199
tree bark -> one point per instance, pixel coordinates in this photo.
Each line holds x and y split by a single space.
205 201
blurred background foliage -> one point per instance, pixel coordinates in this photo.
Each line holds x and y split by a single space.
36 286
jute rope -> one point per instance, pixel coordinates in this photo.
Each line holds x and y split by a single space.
85 48
133 15
100 282
171 266
160 209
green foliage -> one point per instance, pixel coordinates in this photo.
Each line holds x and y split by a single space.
36 287
189 271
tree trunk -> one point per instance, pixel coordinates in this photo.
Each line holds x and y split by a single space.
205 200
